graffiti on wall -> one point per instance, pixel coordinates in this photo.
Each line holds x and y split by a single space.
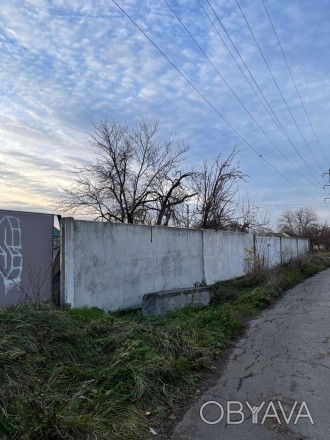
25 257
11 258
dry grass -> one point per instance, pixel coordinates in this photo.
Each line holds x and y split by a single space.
83 374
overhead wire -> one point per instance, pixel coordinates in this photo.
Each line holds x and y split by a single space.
276 83
268 107
207 100
275 118
294 81
235 94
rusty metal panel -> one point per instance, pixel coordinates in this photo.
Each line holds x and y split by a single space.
25 257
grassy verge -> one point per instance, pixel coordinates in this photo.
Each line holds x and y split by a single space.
84 374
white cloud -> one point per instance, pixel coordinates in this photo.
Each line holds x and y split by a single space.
67 65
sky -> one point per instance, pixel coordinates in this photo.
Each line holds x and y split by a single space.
66 65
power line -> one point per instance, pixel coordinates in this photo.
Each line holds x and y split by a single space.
269 109
276 120
206 99
275 82
293 80
233 92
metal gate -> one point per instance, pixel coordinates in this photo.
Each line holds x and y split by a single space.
25 257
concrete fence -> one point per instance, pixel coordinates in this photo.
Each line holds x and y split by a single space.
111 265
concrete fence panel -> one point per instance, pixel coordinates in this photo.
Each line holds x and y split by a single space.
267 250
302 246
289 248
226 254
111 265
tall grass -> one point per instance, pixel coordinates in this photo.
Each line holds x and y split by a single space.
84 374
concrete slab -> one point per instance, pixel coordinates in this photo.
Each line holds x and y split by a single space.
159 303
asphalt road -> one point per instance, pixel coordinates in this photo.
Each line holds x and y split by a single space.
283 358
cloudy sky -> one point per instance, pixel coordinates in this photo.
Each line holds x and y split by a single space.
65 65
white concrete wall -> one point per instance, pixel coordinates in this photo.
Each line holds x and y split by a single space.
268 250
226 255
289 248
303 246
111 265
115 264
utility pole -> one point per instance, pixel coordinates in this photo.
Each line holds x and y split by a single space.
328 173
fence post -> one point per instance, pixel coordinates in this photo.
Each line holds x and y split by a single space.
67 261
254 252
297 247
203 257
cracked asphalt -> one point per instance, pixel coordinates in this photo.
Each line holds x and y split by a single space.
283 357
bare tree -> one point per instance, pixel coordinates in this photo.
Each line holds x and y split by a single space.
136 178
304 222
252 216
297 222
323 237
172 193
216 187
319 235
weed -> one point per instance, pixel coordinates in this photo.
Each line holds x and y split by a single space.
85 374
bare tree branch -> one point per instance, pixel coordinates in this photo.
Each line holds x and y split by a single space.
217 186
251 216
135 176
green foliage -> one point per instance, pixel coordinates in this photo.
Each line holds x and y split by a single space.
248 295
85 374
